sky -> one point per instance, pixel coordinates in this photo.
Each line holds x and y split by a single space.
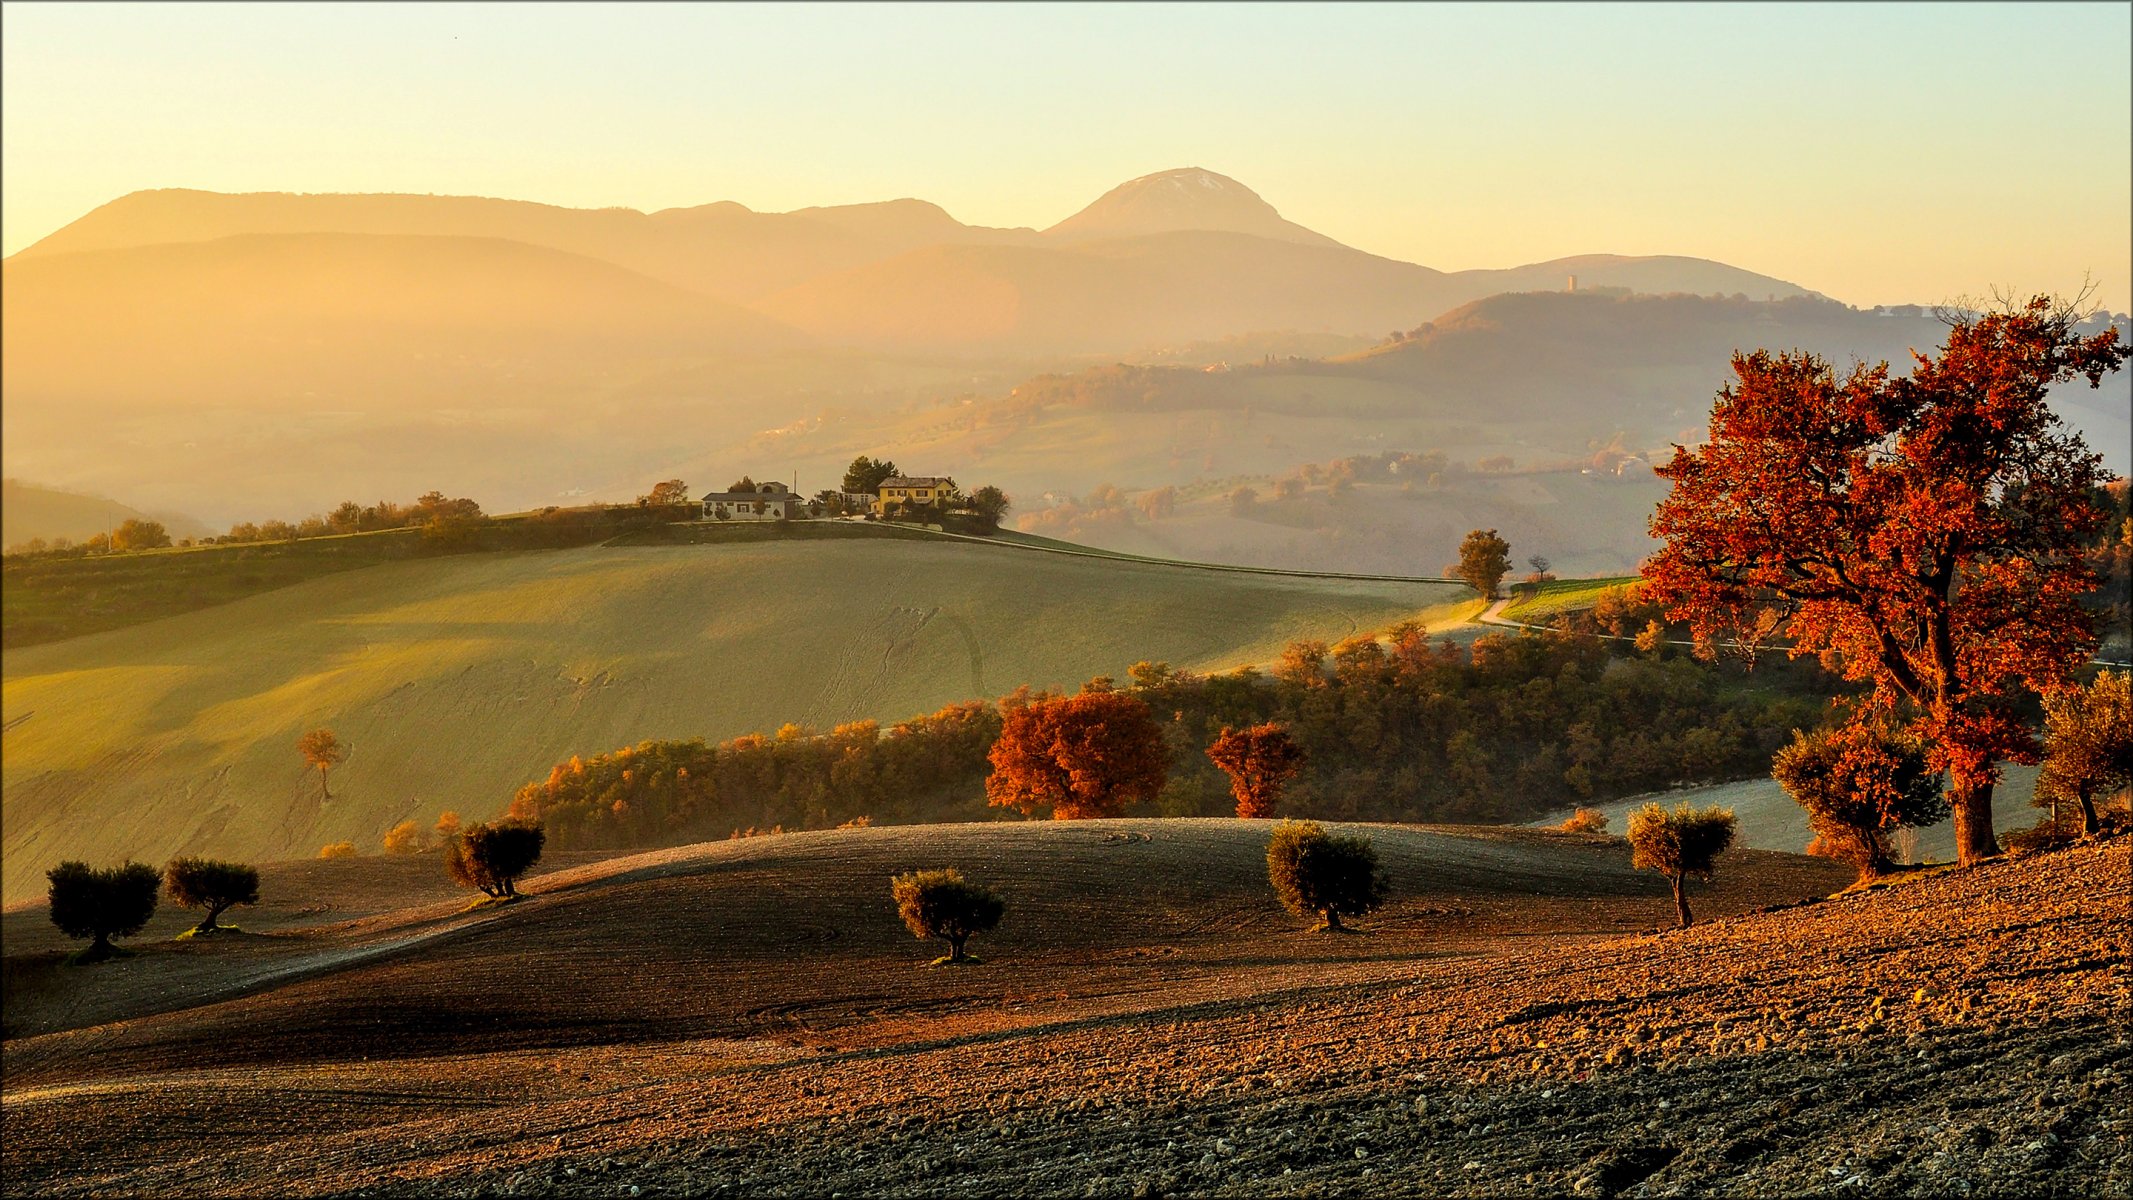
1904 153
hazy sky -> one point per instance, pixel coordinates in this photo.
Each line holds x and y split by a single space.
1905 152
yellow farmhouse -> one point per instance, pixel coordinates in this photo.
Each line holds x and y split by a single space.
901 490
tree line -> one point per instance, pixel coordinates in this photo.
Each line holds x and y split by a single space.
1405 729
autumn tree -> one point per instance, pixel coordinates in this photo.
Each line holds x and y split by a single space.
665 493
1922 534
1319 875
1076 756
337 850
866 474
1484 559
1859 783
1259 760
1679 842
493 857
210 884
942 904
323 750
137 534
102 904
408 837
2088 744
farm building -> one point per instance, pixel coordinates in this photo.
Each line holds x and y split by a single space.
770 501
913 489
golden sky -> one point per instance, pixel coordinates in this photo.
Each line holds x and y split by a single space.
1877 153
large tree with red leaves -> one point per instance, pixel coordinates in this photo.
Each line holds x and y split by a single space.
1076 756
1923 534
1258 759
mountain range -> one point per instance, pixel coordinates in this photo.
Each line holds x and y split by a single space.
1174 256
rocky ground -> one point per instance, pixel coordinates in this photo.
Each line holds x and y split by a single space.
1957 1033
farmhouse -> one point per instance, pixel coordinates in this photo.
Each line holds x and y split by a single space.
901 490
770 501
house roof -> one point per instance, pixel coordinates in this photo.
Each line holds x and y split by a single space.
910 481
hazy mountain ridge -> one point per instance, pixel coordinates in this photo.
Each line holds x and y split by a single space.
1174 256
29 511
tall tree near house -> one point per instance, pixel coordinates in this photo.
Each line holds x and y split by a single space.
323 750
866 474
1923 534
1259 760
1484 559
665 493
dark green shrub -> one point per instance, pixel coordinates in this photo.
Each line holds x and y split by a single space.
212 885
1317 874
492 857
942 904
102 904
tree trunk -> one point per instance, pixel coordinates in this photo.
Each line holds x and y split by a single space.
1971 800
1681 900
207 925
955 949
324 792
1333 921
2088 811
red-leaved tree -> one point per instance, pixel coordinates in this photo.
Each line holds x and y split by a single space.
1076 756
1924 534
1258 759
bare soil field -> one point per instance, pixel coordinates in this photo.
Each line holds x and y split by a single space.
747 1018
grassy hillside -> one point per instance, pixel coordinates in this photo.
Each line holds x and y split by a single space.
455 680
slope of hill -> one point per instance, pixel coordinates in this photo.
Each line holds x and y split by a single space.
1147 1017
456 680
28 511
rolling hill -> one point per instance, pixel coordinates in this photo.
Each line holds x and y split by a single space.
456 680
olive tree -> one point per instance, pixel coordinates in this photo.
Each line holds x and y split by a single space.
1679 842
492 857
1318 874
942 904
210 884
102 904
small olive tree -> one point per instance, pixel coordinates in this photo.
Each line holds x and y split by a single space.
1859 783
210 884
493 857
102 904
1318 874
2088 745
942 904
1679 842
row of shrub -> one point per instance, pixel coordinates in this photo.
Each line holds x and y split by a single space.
1506 729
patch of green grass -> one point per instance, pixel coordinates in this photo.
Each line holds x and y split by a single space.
1559 596
51 599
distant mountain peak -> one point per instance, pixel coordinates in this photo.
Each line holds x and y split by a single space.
1186 198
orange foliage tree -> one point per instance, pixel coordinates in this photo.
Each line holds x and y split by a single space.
1258 759
1923 534
1076 756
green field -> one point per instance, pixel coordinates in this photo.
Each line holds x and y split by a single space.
1558 596
456 679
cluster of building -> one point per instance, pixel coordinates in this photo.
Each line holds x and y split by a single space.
773 501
